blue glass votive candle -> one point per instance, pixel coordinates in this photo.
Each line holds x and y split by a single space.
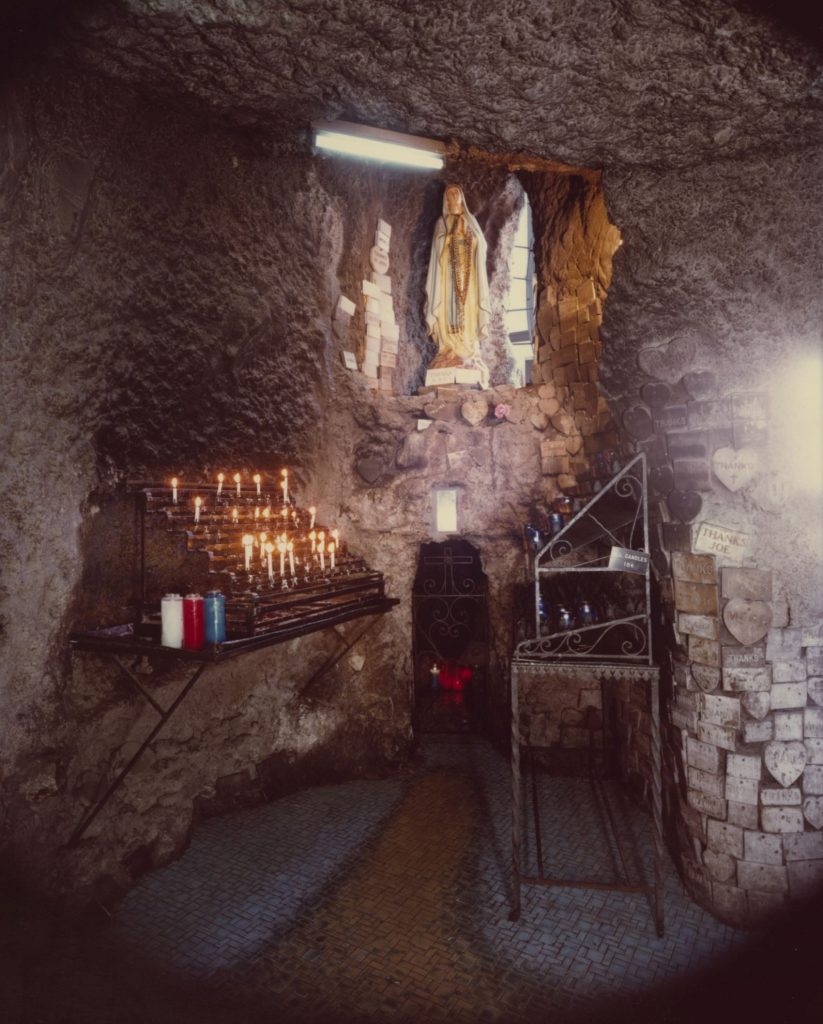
214 608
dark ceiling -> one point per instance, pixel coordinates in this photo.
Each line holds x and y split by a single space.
618 83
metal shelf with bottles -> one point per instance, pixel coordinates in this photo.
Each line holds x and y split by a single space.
591 577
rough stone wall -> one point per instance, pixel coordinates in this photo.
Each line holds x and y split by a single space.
705 315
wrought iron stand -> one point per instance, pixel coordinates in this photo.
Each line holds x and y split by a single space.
606 539
118 642
592 674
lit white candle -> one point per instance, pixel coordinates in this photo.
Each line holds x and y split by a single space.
263 538
256 479
290 549
197 503
269 549
331 554
174 489
235 515
321 539
322 556
285 485
256 512
266 512
220 478
313 514
336 535
237 481
285 512
281 547
248 544
313 539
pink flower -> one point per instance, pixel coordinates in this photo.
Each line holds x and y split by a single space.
502 410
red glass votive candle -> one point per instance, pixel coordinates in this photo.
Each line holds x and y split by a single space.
193 622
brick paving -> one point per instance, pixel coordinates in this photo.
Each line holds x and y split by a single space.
388 900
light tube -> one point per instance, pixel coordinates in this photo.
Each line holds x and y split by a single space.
377 149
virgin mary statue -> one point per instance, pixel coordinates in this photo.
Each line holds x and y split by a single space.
457 287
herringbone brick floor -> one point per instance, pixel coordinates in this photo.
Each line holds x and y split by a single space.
388 901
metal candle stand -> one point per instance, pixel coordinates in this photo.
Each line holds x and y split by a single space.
258 617
616 648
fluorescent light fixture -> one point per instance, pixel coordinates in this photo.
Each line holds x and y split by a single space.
360 140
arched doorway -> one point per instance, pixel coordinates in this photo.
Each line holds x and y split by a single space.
450 630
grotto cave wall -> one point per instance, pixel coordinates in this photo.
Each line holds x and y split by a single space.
711 304
169 292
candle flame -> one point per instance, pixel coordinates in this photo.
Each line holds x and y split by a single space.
236 478
198 502
331 547
248 540
290 546
221 477
263 538
235 514
174 481
266 512
284 473
256 478
269 548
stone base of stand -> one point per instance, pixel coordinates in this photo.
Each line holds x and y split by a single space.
453 375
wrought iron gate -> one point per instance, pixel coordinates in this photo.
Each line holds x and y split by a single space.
449 609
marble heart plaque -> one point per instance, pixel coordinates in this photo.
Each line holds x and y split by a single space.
669 362
706 677
700 384
785 761
685 505
369 469
656 395
747 621
638 423
661 480
815 688
735 469
757 703
813 811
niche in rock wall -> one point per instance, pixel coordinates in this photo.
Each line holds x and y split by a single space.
548 245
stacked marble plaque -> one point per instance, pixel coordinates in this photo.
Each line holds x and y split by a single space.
382 333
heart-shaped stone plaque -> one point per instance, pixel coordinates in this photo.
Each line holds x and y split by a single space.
706 677
369 469
757 703
735 469
661 480
669 362
638 423
685 505
815 688
785 761
813 811
656 395
700 383
721 865
747 621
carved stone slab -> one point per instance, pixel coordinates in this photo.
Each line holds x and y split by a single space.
721 540
813 811
700 383
705 626
743 657
709 414
751 584
785 761
707 677
741 680
704 652
685 505
694 568
720 710
669 362
676 537
815 690
771 797
671 417
735 469
638 423
747 621
656 395
757 703
688 444
692 474
661 480
695 598
379 260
